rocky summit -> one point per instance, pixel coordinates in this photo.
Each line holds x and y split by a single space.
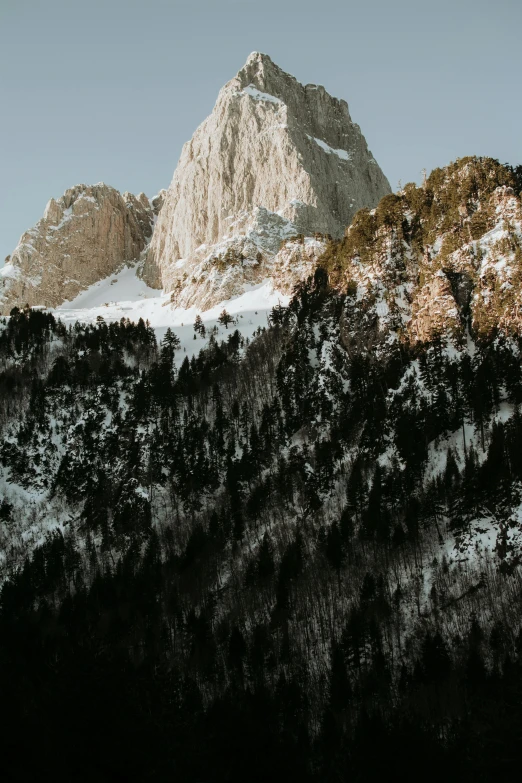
84 236
275 159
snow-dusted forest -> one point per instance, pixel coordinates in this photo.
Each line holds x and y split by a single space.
290 556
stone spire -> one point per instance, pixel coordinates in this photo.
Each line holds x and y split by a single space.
273 144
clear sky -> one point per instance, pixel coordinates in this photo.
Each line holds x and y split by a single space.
109 90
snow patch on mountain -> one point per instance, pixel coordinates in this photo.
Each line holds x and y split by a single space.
343 154
125 295
257 95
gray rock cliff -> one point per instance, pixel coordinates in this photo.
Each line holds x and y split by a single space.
83 237
272 151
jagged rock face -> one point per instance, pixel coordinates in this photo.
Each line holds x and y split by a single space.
150 272
271 147
157 201
265 246
84 236
434 262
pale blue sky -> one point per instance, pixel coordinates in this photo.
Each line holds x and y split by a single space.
109 90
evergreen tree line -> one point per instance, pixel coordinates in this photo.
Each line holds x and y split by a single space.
252 584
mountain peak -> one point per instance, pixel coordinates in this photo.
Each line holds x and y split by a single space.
262 72
275 159
259 61
257 57
270 144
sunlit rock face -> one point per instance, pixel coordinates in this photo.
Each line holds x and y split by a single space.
275 159
84 236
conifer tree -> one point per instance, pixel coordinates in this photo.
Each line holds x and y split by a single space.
265 560
171 340
334 550
225 318
199 326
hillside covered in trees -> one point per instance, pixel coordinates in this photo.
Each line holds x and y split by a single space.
294 559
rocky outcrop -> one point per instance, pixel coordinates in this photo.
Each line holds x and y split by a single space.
274 159
84 236
440 261
148 271
157 201
267 247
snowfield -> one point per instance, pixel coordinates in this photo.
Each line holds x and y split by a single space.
125 295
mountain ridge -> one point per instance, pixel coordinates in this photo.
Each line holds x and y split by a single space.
446 256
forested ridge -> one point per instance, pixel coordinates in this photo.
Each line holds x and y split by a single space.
297 558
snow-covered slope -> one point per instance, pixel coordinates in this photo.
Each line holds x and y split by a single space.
125 295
